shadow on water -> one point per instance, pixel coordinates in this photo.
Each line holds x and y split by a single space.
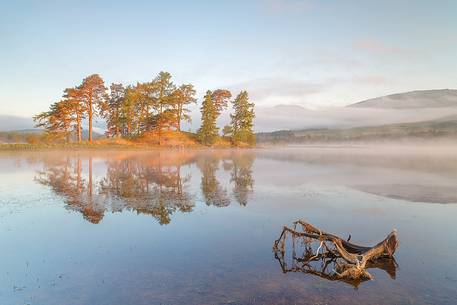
152 184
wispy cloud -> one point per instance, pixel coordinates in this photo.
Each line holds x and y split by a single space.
261 89
269 91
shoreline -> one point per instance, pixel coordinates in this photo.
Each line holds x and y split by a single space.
120 147
343 146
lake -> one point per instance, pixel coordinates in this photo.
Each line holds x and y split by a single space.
197 227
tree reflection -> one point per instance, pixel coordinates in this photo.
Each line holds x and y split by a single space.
150 183
65 178
241 177
239 165
147 188
213 192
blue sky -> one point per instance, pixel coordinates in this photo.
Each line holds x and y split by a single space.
314 53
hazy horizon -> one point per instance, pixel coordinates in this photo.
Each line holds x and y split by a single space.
295 117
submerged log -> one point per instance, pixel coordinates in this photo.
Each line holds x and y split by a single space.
350 261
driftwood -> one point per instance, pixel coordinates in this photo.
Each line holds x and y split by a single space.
339 259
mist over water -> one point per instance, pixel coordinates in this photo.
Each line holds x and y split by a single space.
285 117
197 227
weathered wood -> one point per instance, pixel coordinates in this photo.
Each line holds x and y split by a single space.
351 260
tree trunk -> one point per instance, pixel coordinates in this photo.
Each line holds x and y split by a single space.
79 129
118 131
179 117
90 118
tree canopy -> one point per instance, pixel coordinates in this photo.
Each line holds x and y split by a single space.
150 107
243 119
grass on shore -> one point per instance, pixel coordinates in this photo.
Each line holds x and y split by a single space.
168 139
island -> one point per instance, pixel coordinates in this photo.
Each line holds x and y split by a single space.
143 115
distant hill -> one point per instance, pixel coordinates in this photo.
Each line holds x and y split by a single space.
12 122
441 98
445 127
26 131
420 114
21 136
16 129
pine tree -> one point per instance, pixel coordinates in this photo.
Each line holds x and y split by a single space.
93 93
112 113
220 99
183 96
143 103
73 97
243 119
164 100
208 132
129 119
57 121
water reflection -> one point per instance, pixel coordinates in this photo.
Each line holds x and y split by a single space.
304 257
213 192
147 187
153 184
409 173
65 178
203 257
242 178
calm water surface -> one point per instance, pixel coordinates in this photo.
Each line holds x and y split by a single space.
190 227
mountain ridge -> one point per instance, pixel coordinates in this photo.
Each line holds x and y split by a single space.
435 98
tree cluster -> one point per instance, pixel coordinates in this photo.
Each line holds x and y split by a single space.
65 117
240 129
155 106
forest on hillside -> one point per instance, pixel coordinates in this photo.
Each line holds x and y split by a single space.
149 108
